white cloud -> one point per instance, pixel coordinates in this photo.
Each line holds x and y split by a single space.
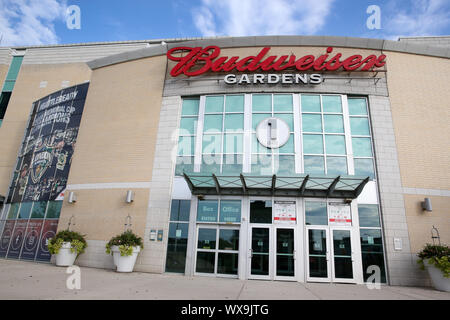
30 22
418 18
261 17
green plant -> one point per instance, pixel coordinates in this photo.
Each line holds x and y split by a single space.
77 242
125 241
437 255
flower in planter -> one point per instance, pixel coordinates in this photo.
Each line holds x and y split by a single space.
77 242
437 255
125 242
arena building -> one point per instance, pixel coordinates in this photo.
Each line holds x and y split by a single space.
295 158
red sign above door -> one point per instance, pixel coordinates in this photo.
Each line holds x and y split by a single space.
197 61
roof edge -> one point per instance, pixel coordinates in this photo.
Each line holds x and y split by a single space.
255 41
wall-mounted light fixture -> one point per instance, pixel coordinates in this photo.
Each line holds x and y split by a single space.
130 196
72 197
426 205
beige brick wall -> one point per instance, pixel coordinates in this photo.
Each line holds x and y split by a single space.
27 90
116 144
3 71
420 100
421 222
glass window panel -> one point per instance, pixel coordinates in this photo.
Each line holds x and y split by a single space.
233 143
312 123
232 164
212 144
282 102
288 147
234 122
205 262
210 164
54 209
316 213
177 247
357 107
260 211
38 211
227 263
262 164
213 123
364 168
262 103
14 68
25 210
288 118
13 211
190 107
258 117
229 239
332 104
360 126
186 146
369 215
207 210
230 211
337 166
188 126
184 164
310 103
314 165
362 147
333 124
214 104
335 144
318 266
372 252
258 147
284 165
180 210
234 103
174 210
206 238
312 144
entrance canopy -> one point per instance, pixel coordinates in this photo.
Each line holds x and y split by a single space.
349 187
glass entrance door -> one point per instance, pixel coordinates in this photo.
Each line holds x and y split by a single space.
330 256
260 257
285 254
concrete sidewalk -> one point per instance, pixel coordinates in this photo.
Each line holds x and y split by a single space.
27 280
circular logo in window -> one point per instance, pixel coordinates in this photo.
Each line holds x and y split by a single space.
273 133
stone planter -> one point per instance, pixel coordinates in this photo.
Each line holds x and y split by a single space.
437 278
65 256
125 263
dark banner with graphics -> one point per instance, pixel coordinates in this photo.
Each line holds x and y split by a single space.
50 138
6 237
48 231
31 241
15 245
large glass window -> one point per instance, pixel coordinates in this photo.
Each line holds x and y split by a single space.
361 137
9 84
371 239
316 213
187 135
223 134
266 161
178 236
324 149
208 211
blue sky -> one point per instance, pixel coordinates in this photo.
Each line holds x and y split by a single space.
34 22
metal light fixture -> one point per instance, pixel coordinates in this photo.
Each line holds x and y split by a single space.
130 196
72 197
426 205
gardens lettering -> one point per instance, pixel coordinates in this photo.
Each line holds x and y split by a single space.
200 60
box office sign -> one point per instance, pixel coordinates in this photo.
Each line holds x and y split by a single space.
339 214
284 212
46 154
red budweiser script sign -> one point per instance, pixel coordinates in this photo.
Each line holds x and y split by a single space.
198 60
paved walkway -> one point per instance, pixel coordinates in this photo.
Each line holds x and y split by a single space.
27 280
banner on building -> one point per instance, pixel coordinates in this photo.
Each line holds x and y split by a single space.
340 214
284 212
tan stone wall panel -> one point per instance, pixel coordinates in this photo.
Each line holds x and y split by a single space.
118 131
3 71
101 214
421 222
420 100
